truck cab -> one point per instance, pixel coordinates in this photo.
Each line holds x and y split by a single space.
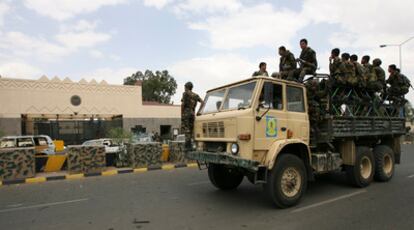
245 126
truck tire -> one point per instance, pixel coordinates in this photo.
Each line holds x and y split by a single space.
384 163
362 173
224 178
287 181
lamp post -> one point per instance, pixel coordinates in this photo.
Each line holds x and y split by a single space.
399 48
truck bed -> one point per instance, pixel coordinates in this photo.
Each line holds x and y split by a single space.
335 127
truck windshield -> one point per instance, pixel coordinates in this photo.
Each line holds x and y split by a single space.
238 97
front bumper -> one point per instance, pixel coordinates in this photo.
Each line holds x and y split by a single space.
222 158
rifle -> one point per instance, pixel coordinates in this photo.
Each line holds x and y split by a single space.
303 62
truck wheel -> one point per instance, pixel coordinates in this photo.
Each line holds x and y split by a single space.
362 173
384 163
223 177
287 181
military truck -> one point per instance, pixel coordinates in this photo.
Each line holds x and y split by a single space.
259 128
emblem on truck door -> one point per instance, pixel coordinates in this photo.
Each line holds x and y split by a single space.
271 126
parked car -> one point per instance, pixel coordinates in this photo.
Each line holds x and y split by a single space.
43 144
110 147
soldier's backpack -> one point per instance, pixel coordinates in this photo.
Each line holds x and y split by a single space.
405 84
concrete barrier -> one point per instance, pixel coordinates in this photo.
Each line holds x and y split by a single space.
144 154
177 152
86 159
17 163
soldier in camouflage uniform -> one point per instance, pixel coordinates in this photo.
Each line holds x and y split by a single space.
307 60
287 64
380 74
334 62
346 70
188 105
399 84
358 78
314 108
262 70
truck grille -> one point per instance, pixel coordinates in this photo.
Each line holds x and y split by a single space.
213 129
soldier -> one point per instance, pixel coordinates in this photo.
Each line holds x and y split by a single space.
379 73
399 84
262 70
365 62
287 64
334 62
357 79
188 105
346 69
307 59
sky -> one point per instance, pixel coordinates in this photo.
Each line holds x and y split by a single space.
208 42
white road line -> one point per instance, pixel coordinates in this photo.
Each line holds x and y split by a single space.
199 183
328 201
43 205
411 176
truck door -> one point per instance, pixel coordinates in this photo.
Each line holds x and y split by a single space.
297 117
273 122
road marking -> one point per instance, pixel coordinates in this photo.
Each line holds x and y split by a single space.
110 173
168 167
75 176
139 170
411 176
199 183
43 205
14 205
328 201
192 165
36 180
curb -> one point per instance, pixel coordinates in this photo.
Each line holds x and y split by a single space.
104 173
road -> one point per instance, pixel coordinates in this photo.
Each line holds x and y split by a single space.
184 199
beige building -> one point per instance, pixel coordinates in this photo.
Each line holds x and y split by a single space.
77 111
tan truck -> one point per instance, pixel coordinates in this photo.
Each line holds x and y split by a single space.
259 128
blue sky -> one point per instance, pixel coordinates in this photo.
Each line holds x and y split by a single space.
208 42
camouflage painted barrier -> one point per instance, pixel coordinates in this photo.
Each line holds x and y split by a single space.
144 154
17 163
177 152
86 159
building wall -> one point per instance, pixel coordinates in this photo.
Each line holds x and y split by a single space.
49 98
152 125
10 126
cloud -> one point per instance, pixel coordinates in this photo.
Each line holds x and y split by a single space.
96 54
159 4
4 9
66 9
213 71
110 75
211 6
19 70
260 25
74 40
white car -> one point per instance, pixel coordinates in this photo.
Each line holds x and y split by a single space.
110 147
42 143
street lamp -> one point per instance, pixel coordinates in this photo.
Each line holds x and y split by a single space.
399 48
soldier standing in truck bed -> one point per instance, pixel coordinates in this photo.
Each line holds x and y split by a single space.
399 84
307 59
287 64
188 105
380 74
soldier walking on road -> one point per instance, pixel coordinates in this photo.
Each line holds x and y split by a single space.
307 59
262 70
287 64
188 105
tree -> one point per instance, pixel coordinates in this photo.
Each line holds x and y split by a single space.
158 87
119 135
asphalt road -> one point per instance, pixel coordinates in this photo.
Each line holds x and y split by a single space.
184 199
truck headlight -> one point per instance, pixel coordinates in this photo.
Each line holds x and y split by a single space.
234 148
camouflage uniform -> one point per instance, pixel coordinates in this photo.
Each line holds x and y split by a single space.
346 70
371 79
380 75
399 86
358 78
189 103
334 66
308 55
287 66
260 73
